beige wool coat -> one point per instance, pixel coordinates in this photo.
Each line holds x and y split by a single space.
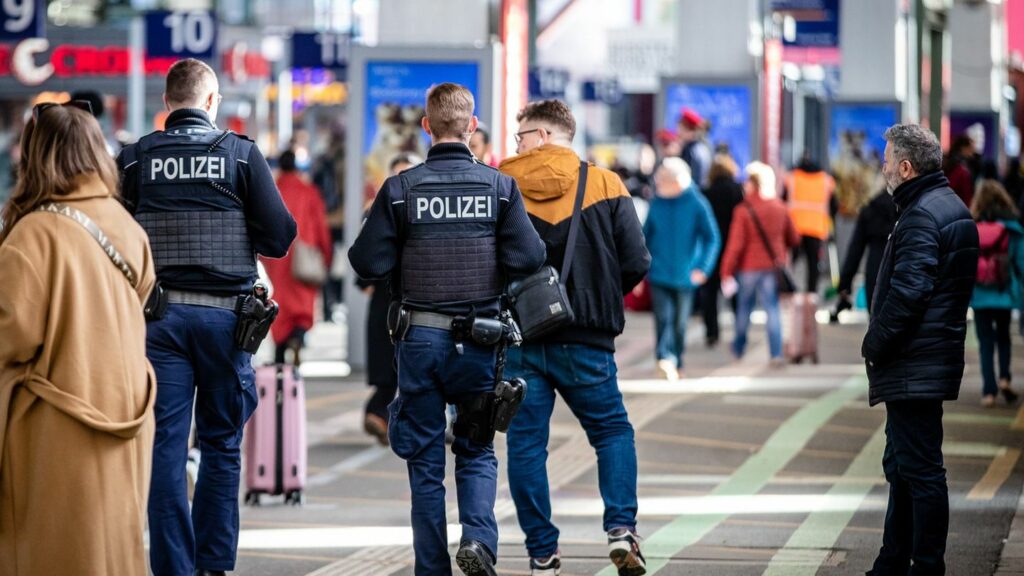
76 393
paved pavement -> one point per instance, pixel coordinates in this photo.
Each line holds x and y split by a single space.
744 470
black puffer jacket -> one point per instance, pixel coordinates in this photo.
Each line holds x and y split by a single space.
915 342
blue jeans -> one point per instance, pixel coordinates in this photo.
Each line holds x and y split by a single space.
585 377
672 308
761 286
193 353
993 329
917 518
432 374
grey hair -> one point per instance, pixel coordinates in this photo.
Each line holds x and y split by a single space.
917 145
679 169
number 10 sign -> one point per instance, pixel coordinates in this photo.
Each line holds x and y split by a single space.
20 19
179 34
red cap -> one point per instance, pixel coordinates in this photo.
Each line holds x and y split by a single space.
665 136
691 118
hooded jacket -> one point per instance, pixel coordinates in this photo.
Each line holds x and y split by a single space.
914 346
610 257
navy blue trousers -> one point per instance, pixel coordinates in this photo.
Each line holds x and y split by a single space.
196 362
432 374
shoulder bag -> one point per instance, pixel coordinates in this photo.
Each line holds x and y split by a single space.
783 278
540 301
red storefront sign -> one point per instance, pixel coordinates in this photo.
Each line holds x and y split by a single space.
27 61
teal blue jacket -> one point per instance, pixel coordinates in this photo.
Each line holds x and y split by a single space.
682 236
990 297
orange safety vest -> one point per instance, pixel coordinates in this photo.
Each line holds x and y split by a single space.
809 195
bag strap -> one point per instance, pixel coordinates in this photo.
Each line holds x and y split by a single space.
96 233
762 233
574 224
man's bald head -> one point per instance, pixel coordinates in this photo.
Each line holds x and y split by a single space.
192 83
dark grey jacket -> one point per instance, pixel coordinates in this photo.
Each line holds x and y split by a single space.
914 346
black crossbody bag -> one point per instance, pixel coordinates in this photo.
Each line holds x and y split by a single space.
540 301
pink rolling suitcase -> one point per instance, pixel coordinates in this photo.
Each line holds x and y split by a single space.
801 339
275 437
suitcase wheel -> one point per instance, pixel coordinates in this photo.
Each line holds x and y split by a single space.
814 359
252 498
295 498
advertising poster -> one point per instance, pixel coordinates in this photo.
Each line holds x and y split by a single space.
396 94
727 108
856 147
981 127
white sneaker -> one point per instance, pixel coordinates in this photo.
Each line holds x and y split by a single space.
668 371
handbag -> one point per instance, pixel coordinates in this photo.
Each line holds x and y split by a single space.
541 301
308 264
783 279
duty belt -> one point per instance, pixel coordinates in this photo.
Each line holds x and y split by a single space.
431 320
199 299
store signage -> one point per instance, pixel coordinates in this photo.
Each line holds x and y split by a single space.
240 64
606 91
181 34
320 50
545 82
810 30
29 63
20 19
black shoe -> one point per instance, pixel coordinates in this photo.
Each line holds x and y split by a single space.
474 559
210 573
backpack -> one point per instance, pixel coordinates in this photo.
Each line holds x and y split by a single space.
993 255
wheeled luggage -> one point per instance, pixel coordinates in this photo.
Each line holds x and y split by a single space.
275 437
801 336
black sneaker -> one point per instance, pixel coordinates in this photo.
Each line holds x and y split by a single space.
624 551
474 559
550 566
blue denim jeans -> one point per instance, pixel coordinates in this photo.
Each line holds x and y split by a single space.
757 286
917 518
672 308
585 377
432 374
192 349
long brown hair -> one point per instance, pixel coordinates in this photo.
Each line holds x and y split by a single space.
58 147
992 202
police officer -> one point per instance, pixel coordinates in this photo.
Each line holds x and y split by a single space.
450 233
208 201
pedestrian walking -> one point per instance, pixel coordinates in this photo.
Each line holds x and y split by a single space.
76 417
209 204
683 240
299 275
760 237
724 194
1000 285
577 361
380 351
914 346
812 202
871 233
693 129
449 233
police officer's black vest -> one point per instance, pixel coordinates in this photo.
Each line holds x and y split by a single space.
450 252
189 203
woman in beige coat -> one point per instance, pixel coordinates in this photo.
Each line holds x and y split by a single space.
76 391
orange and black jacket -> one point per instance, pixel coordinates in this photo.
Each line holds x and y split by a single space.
610 257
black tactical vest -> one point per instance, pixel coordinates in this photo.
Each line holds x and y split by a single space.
190 206
450 252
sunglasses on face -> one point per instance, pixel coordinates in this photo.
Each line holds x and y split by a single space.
44 106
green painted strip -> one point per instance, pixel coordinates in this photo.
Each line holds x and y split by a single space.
808 547
784 444
972 449
978 419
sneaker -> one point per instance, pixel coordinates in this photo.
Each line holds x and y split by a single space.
550 566
474 559
667 369
624 551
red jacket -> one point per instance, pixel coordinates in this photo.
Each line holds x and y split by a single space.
296 299
960 181
745 251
